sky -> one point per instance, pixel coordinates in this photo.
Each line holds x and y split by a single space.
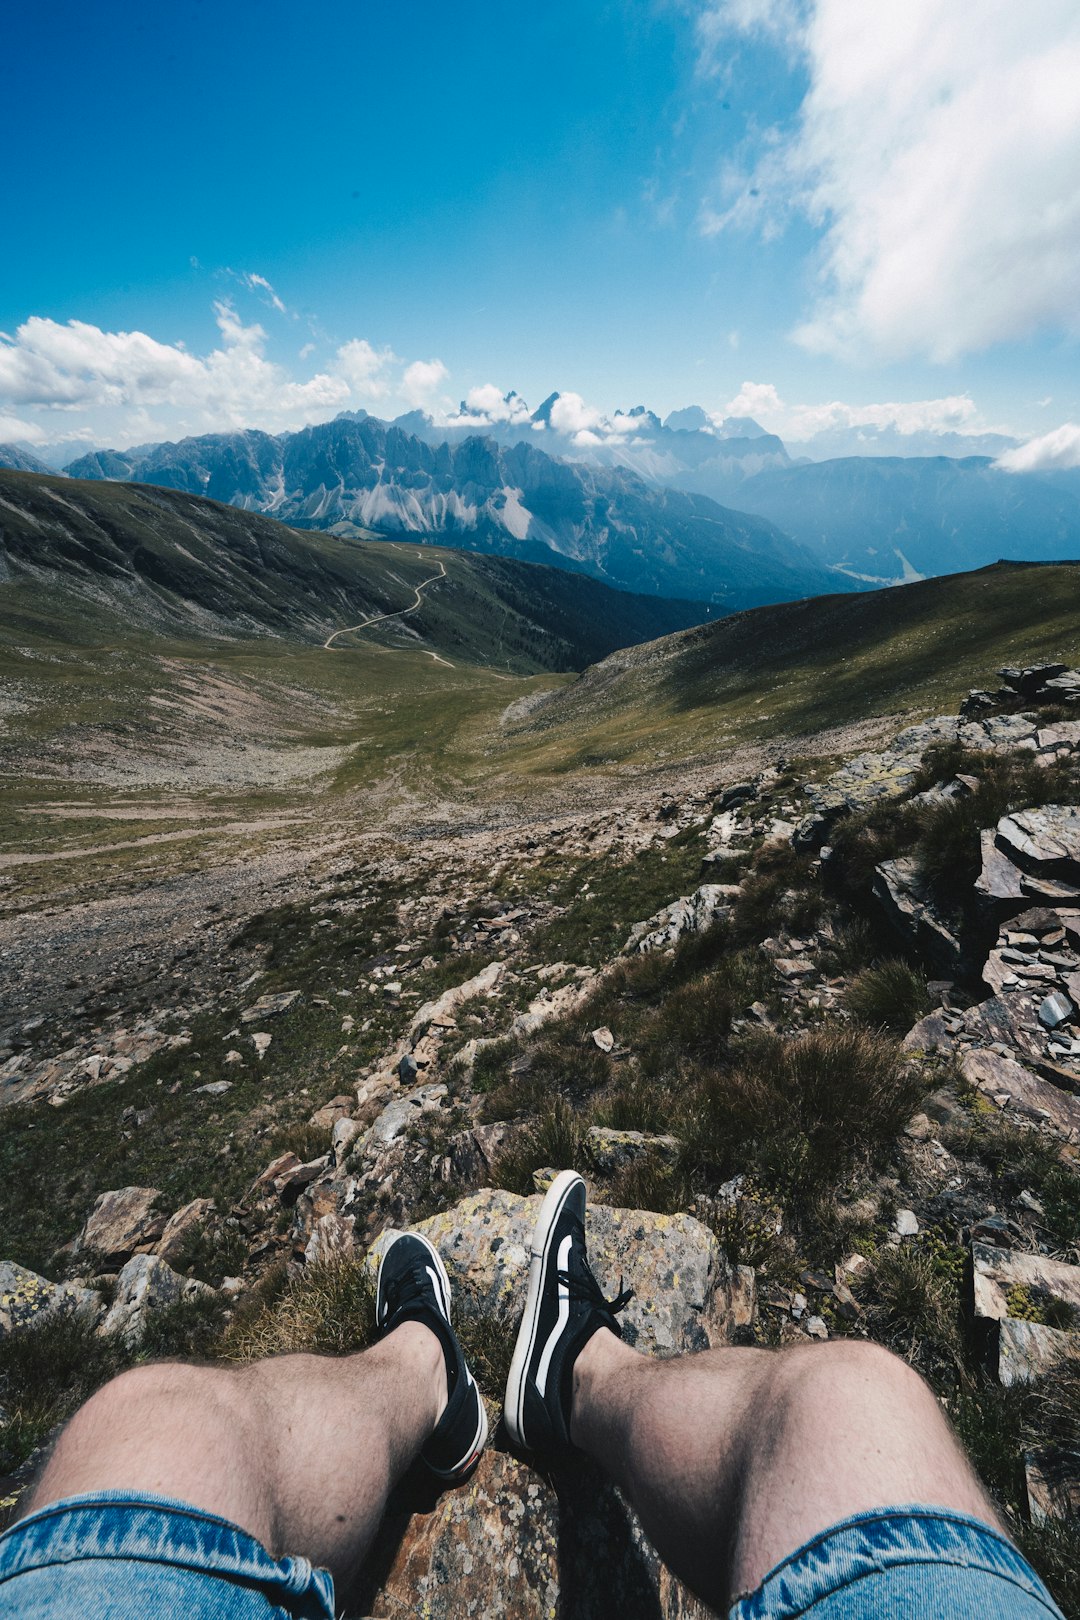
826 214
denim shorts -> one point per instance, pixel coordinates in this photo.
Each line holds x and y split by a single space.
117 1556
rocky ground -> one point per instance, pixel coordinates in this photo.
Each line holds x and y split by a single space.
814 1041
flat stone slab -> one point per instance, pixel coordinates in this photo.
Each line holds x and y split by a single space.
1046 839
1001 1277
1027 1094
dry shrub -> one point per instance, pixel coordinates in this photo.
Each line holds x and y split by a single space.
552 1139
890 995
328 1310
807 1110
648 1183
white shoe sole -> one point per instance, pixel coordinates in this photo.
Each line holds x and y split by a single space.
546 1221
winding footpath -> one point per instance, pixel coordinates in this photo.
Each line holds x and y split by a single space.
380 618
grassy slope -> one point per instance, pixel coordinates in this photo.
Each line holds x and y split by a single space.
176 561
803 666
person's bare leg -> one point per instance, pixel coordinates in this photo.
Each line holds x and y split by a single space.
734 1458
300 1451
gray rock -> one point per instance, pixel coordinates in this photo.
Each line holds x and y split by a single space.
1005 1285
691 914
1028 1350
611 1150
145 1285
1045 841
906 1223
1056 1009
1027 1094
400 1113
907 904
515 1543
269 1006
685 1289
120 1222
27 1299
181 1227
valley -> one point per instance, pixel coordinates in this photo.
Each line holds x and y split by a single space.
346 885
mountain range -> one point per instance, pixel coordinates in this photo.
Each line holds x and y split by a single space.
357 474
686 507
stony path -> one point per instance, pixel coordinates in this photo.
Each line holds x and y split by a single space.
380 618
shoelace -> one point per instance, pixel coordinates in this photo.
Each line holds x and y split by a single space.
410 1287
584 1286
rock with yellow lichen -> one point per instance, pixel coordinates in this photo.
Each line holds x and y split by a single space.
536 1544
26 1298
686 1295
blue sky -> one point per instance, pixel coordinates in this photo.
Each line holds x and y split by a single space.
649 201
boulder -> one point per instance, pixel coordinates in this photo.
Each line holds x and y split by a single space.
121 1222
1010 1292
269 1006
1024 1091
685 1288
690 914
27 1299
900 892
145 1285
181 1227
610 1150
516 1542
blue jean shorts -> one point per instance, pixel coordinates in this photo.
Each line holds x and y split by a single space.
116 1556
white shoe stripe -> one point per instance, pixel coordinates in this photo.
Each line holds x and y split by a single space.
544 1366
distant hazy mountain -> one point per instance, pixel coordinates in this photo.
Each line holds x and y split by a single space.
886 518
13 455
360 473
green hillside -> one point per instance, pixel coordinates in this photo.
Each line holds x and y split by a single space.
801 667
161 560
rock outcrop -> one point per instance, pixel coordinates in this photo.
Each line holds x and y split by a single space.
27 1299
516 1541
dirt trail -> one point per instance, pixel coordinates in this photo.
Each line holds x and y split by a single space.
380 618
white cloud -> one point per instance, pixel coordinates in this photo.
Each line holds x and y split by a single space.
256 283
955 413
421 379
586 425
1056 450
938 147
718 20
13 430
128 387
364 368
488 405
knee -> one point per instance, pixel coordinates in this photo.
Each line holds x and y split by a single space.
855 1374
151 1395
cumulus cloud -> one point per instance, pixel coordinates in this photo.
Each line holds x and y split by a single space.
755 399
421 379
364 368
488 405
127 387
1054 451
938 148
585 425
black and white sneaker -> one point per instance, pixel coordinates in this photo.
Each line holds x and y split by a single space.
413 1287
564 1307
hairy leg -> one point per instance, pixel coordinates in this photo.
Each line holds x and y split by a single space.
300 1451
734 1458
